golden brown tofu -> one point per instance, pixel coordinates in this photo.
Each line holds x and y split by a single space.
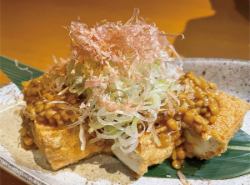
228 122
63 147
147 153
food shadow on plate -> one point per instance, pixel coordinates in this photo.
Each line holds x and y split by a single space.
40 159
111 165
93 164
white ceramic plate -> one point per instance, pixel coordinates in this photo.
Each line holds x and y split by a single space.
231 76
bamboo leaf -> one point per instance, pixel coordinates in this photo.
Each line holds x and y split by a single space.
18 72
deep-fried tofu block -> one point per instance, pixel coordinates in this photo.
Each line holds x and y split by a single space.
62 147
146 154
228 122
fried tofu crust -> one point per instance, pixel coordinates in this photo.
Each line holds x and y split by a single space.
228 122
62 147
146 154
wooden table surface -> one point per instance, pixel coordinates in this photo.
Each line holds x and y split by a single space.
34 31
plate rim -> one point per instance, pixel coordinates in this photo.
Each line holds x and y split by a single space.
20 173
29 178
